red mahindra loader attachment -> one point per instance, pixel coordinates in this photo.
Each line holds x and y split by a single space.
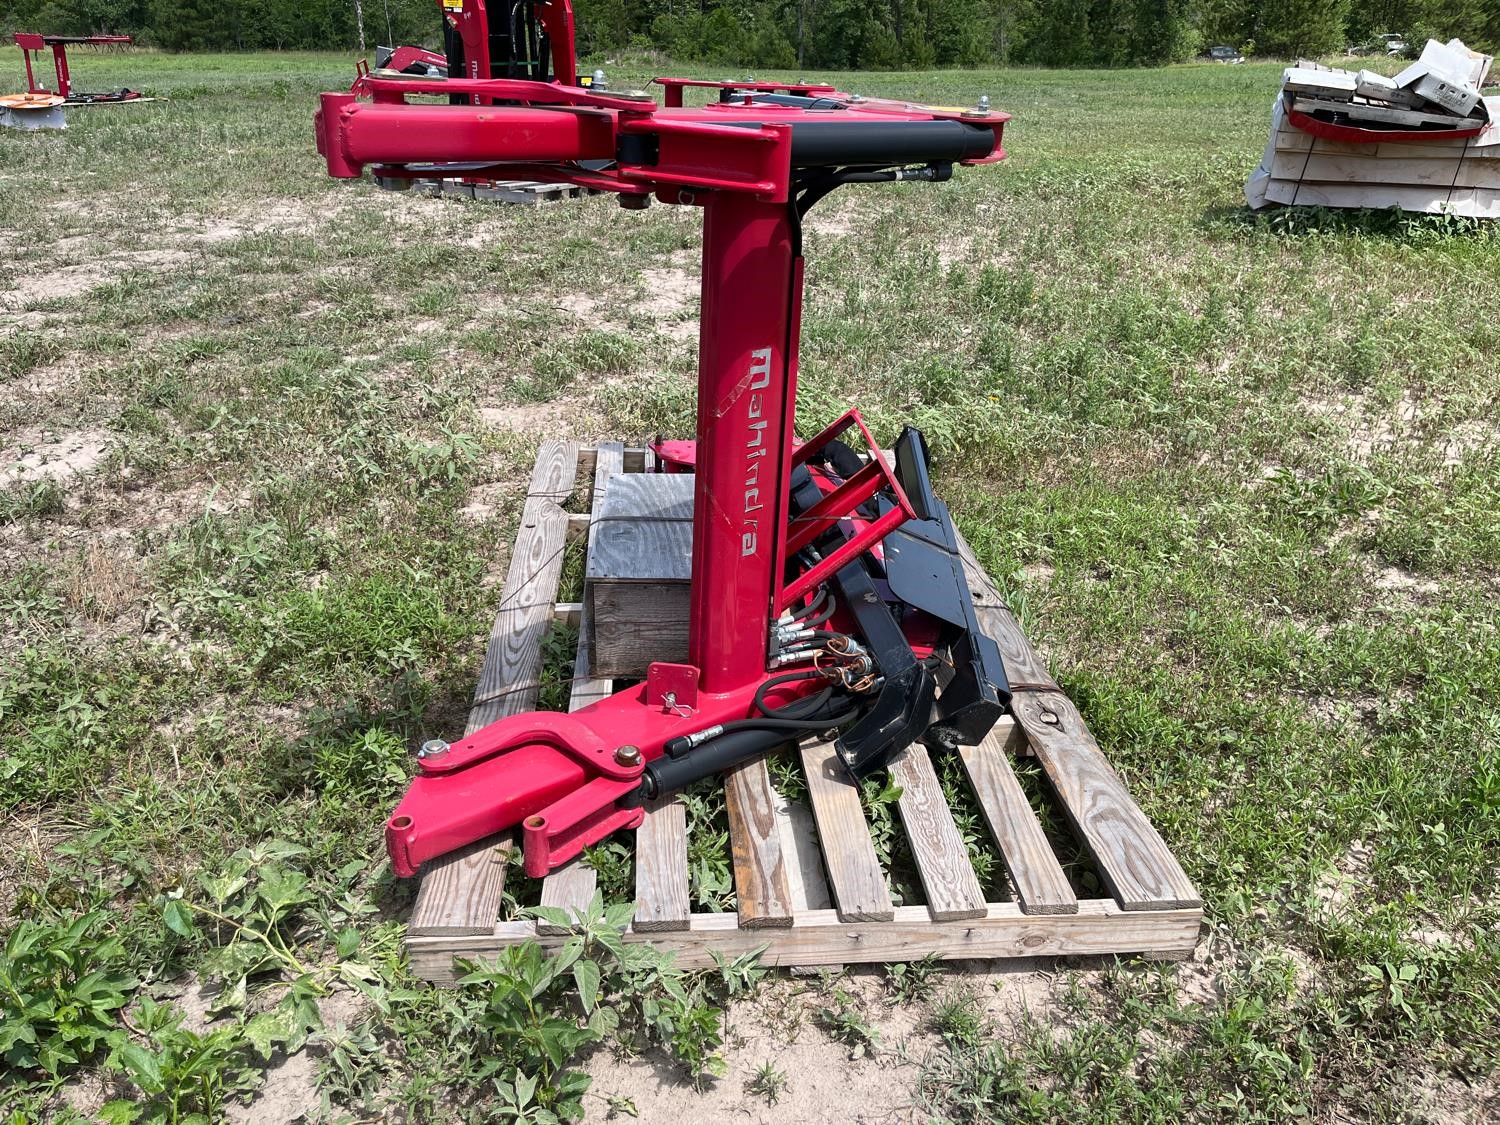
827 594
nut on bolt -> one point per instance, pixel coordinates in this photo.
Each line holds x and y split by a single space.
628 755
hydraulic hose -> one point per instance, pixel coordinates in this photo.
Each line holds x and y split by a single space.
739 742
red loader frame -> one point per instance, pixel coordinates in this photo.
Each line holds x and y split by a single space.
34 44
793 564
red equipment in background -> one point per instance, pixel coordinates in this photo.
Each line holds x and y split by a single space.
827 593
530 39
34 44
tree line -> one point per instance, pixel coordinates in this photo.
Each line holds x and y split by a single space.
813 34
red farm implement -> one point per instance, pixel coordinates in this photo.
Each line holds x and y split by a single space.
32 47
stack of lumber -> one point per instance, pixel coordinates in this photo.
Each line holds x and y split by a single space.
1425 140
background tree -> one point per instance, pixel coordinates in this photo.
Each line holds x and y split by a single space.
744 35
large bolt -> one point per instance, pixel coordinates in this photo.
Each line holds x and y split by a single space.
433 748
628 755
599 81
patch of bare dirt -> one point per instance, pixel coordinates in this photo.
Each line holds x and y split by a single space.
1467 440
823 1082
299 216
87 1093
15 322
484 501
290 1092
76 280
561 417
196 999
672 298
1396 579
1038 573
39 455
835 220
580 303
42 382
1447 1100
1374 429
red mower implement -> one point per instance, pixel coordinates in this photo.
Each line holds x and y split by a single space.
35 44
827 594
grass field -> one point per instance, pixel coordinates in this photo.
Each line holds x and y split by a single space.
265 437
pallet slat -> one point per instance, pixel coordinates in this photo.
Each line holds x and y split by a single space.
1137 866
1041 886
1439 173
854 872
462 892
762 890
661 868
818 937
572 888
511 676
1025 667
953 890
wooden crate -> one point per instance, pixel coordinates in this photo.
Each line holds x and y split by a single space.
1153 909
636 580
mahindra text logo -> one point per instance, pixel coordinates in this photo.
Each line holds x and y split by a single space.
755 450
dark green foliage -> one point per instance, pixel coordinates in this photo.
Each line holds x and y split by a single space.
1301 27
824 34
62 984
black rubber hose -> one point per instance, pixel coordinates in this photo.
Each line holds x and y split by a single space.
828 611
680 748
777 681
812 606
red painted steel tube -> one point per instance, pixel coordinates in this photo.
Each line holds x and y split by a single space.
749 282
474 30
557 19
353 134
64 77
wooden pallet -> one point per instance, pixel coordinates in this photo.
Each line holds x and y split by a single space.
1154 909
525 192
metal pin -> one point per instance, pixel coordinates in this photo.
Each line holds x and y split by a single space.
433 748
